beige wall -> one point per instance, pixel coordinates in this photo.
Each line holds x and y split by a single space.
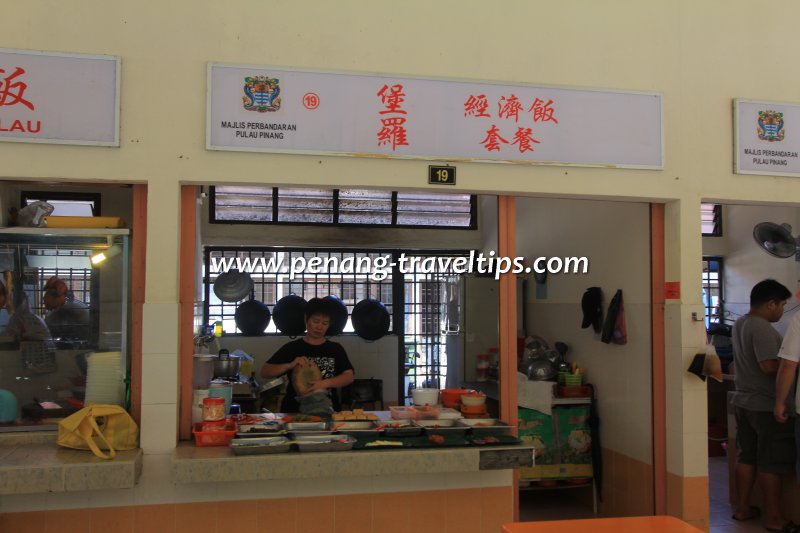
668 46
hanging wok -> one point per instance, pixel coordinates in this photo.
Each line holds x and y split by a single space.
233 286
252 317
370 319
338 315
289 315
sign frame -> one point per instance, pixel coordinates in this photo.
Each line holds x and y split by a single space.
117 89
438 157
737 144
448 180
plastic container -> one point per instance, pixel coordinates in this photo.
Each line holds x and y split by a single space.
423 396
423 412
473 398
572 380
213 409
202 370
400 412
452 397
221 437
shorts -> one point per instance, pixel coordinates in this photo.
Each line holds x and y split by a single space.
764 442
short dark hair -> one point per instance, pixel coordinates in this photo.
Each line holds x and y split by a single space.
767 291
318 306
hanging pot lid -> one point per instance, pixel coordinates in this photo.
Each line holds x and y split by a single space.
370 319
252 317
233 286
289 315
338 311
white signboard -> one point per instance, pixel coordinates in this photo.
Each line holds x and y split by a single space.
767 138
59 98
294 111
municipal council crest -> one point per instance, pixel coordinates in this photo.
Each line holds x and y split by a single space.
261 93
770 126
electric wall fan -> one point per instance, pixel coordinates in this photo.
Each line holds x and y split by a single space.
775 239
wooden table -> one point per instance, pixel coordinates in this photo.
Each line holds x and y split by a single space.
637 524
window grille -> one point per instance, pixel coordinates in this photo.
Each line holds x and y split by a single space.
712 290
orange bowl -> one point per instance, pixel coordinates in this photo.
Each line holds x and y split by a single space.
452 397
473 409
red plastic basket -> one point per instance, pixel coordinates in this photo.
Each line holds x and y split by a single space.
221 437
574 391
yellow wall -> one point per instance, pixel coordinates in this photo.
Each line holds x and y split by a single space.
699 55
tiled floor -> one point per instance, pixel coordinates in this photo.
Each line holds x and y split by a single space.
721 511
566 504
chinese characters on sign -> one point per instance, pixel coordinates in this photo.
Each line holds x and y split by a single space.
12 91
509 108
341 113
52 97
393 129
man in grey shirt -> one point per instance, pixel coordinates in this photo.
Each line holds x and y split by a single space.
764 448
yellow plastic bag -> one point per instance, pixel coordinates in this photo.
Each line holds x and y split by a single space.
99 427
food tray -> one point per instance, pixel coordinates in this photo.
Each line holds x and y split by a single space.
480 427
324 443
400 412
260 445
425 441
357 428
306 426
261 429
447 412
442 427
400 428
380 443
222 437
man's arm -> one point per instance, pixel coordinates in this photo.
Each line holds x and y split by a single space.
787 370
769 366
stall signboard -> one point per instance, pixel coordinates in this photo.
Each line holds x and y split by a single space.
767 137
49 97
314 112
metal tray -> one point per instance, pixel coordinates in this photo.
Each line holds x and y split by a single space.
400 428
446 427
358 429
324 443
306 426
482 427
260 445
270 428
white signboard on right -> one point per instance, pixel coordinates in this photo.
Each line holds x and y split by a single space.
767 137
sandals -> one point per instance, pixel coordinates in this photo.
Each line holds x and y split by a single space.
755 512
788 527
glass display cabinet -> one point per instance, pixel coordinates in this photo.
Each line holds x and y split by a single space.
64 323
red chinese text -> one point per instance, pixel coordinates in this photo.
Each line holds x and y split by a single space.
509 107
493 139
11 92
542 112
393 129
476 106
524 139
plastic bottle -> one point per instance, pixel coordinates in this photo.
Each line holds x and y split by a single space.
218 328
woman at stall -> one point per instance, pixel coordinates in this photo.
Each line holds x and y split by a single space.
313 349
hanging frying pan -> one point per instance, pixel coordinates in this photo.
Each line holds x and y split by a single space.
252 317
233 286
338 316
289 315
370 319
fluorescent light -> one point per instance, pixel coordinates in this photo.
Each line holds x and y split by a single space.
111 251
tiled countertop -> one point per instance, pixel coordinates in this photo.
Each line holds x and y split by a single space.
192 464
33 462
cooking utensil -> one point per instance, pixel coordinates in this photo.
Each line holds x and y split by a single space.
252 317
338 316
289 315
226 365
370 319
232 286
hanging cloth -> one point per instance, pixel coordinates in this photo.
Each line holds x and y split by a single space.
614 329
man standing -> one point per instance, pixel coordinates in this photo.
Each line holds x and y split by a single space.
765 449
787 373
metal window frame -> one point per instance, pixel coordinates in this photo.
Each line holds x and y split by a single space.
717 232
95 198
708 308
212 215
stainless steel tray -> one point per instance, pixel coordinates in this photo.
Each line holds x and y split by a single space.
481 427
446 427
324 443
307 426
399 428
260 445
263 429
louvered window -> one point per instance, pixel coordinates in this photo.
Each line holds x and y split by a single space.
344 207
711 219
